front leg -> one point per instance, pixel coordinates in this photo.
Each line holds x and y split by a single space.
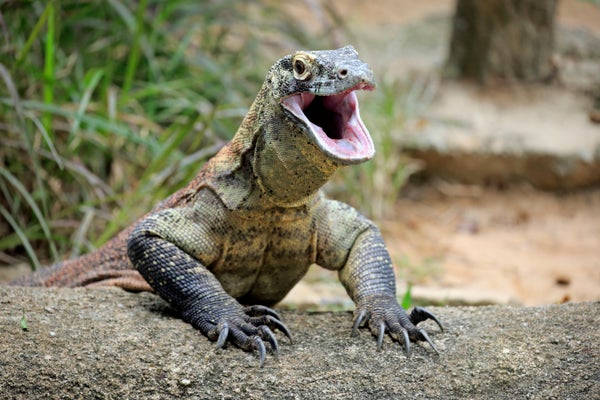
369 279
160 248
357 250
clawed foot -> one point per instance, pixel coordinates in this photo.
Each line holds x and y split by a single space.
247 328
383 314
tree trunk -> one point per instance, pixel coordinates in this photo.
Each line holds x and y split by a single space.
503 40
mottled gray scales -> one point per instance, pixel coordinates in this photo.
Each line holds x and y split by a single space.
249 225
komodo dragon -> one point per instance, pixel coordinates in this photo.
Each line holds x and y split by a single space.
248 226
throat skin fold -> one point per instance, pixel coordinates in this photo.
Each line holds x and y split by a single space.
289 168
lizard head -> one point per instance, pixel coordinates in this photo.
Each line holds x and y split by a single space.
317 91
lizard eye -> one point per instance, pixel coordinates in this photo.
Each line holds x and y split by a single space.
301 69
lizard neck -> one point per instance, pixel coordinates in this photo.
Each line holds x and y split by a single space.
289 169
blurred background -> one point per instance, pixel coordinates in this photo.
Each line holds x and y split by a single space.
486 181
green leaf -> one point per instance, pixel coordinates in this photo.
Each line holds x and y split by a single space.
24 326
407 299
24 240
13 180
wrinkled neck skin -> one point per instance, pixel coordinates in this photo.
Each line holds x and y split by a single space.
289 169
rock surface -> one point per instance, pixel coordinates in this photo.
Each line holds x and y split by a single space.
539 135
115 345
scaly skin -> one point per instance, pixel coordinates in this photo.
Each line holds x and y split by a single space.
247 228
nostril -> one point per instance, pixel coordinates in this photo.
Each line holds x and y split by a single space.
342 73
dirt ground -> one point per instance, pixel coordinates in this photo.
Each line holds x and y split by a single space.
519 244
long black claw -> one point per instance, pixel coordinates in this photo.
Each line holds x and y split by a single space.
406 342
380 335
223 336
262 351
281 327
258 310
419 314
359 319
268 334
426 337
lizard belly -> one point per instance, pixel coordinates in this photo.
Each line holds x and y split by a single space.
261 265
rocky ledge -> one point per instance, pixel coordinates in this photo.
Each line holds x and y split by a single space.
110 344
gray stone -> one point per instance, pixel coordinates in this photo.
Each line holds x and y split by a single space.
109 344
539 135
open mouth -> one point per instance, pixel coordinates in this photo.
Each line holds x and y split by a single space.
334 124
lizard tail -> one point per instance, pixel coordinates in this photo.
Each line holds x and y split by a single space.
62 274
107 266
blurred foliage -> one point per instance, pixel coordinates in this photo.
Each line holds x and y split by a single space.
108 106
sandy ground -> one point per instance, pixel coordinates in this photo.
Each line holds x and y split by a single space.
518 245
460 244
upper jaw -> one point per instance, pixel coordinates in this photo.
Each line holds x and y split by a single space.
333 123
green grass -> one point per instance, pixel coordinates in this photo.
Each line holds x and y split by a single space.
108 106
